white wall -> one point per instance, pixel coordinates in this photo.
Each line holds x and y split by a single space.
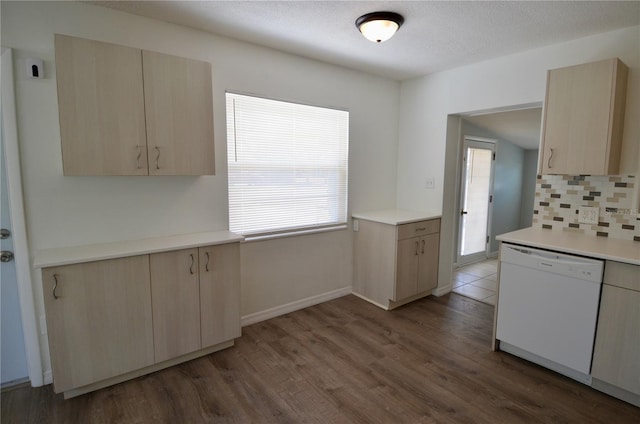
529 174
507 187
425 143
64 211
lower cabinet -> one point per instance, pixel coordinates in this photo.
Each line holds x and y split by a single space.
195 298
98 320
417 269
616 355
395 264
219 293
175 300
107 319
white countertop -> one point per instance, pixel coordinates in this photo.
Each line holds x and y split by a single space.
119 249
627 251
396 216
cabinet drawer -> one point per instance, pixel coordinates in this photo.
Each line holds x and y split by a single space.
419 228
622 275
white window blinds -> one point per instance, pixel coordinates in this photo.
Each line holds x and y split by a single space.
287 165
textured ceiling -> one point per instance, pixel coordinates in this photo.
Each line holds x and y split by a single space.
436 35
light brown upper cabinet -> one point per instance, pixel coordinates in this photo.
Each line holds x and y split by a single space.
584 119
179 111
101 104
124 111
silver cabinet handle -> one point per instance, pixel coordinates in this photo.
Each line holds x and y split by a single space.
550 157
206 266
138 157
55 285
158 157
191 266
423 243
417 247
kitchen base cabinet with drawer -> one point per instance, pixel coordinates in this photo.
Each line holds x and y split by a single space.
616 355
396 263
112 320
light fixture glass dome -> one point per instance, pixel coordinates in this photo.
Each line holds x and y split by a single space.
379 26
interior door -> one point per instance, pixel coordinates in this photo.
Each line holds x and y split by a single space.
476 197
13 365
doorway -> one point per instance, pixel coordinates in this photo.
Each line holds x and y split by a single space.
13 367
476 199
27 340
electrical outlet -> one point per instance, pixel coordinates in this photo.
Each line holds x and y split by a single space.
588 215
430 183
356 225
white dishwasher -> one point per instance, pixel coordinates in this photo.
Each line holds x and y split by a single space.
548 308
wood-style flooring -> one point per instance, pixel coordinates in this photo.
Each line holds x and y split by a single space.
344 361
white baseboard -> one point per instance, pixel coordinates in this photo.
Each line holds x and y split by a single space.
441 291
293 306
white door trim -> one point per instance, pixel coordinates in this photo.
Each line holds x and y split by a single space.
489 144
16 207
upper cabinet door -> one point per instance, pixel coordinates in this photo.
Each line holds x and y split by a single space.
179 115
101 106
583 118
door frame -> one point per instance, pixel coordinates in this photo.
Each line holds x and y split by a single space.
491 144
16 207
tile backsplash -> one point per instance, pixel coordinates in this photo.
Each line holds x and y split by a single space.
559 198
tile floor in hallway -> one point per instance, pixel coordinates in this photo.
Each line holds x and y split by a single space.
477 281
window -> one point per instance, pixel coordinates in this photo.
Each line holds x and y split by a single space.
287 166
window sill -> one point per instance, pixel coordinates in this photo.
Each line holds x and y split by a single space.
295 233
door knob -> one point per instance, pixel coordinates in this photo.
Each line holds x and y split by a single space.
463 212
6 256
4 233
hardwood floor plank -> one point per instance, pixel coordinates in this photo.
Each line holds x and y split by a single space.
343 361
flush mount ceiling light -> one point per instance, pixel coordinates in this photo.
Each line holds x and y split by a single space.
379 26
